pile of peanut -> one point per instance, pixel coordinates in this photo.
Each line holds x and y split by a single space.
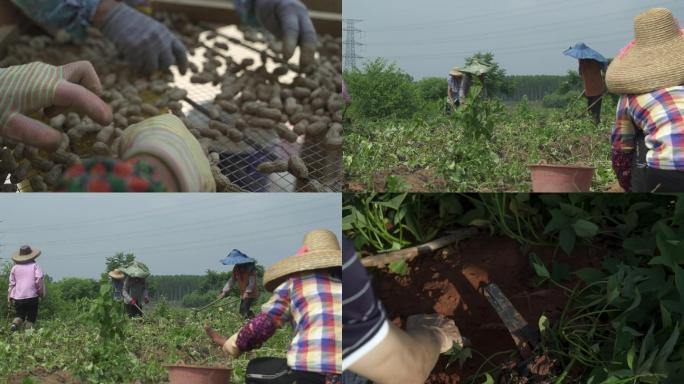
253 99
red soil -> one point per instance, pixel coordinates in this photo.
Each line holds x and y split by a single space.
446 284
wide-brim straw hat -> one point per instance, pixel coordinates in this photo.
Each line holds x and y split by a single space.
116 274
320 250
654 60
25 254
455 71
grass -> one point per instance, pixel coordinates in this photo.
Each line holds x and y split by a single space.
383 155
165 336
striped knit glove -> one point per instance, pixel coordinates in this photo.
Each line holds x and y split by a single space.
290 21
147 43
166 139
31 87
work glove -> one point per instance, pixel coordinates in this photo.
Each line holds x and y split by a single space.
289 20
31 87
230 346
147 43
166 139
444 328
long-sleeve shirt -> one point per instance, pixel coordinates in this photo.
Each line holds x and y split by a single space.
117 288
590 70
75 16
364 320
26 281
134 288
313 300
459 86
245 280
659 114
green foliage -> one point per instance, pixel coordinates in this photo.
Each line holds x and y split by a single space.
74 344
394 221
119 260
432 88
478 116
496 82
535 87
196 299
381 90
108 315
73 288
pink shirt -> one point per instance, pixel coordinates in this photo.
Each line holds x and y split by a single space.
26 281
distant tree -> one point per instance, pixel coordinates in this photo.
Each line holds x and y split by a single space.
496 81
73 288
432 88
381 90
118 260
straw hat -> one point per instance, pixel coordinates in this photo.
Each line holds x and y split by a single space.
654 60
455 71
116 274
320 250
25 254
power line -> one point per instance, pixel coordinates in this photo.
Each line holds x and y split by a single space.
351 33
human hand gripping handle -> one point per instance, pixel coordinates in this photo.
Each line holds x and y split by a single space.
147 43
31 87
445 329
290 21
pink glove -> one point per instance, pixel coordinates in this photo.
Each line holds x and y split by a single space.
622 166
133 302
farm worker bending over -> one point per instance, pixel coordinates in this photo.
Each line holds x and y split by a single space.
459 84
647 141
26 286
306 288
135 288
373 346
591 72
244 276
116 279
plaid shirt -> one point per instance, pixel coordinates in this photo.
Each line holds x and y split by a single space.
314 302
659 114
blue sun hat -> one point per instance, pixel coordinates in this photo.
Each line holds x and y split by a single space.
582 51
236 257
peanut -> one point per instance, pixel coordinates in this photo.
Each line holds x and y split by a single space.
273 167
297 167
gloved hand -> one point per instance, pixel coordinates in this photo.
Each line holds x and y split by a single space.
230 346
221 295
147 43
290 21
133 302
244 295
445 328
31 87
166 139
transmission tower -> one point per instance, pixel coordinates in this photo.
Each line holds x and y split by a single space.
351 43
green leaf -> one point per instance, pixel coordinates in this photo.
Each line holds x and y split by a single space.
399 267
488 379
544 324
585 229
567 240
590 275
666 350
539 267
393 203
630 357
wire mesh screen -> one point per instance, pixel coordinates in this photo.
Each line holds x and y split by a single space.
239 161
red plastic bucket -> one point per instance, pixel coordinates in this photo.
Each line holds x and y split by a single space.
183 374
561 178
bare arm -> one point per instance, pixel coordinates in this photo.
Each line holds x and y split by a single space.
410 356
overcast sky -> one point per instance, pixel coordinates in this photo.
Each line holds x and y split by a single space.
428 37
171 233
